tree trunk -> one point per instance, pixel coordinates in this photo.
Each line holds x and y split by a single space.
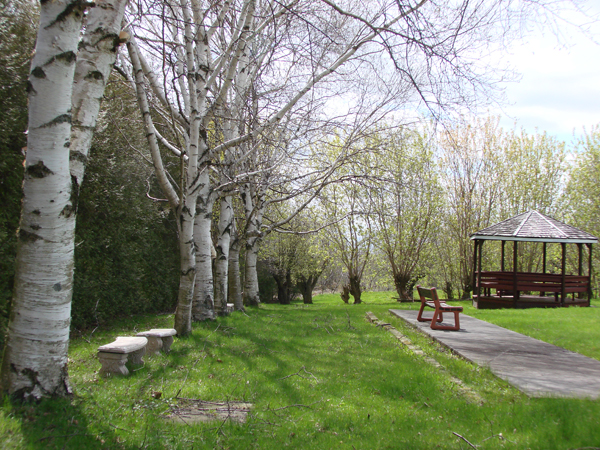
234 293
187 257
253 213
185 206
307 296
222 259
203 307
251 294
401 282
284 283
355 289
35 356
467 287
306 290
96 56
449 290
306 286
345 294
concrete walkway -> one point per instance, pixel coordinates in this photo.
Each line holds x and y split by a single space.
537 368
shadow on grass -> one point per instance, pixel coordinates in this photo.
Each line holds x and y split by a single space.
55 424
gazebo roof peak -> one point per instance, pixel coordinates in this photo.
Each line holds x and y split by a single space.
533 226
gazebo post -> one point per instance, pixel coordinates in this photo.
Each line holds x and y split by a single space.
502 261
544 254
580 267
563 272
589 246
479 268
475 287
515 280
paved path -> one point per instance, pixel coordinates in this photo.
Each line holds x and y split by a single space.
537 368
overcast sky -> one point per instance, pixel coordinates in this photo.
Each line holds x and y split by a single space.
559 91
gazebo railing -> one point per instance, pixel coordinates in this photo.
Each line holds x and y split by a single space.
505 284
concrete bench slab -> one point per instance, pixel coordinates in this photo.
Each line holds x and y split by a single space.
115 355
159 339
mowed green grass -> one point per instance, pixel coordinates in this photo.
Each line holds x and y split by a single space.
319 376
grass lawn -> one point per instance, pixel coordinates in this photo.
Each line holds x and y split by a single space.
319 376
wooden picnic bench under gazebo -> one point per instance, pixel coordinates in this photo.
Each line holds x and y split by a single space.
518 289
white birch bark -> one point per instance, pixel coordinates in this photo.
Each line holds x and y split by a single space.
234 292
203 306
97 53
222 254
35 357
253 234
251 289
187 277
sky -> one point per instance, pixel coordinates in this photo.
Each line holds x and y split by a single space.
559 89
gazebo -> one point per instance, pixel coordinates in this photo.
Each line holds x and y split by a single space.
517 289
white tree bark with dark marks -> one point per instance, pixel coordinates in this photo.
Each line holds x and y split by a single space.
253 213
222 249
35 356
204 305
96 56
234 292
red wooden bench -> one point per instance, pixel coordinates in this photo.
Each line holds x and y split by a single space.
439 308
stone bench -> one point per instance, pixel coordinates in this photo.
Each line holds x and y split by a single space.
159 339
115 355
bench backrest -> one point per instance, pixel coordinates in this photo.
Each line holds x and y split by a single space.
428 293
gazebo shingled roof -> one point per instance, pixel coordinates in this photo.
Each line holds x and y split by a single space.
533 226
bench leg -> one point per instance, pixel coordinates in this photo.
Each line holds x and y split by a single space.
112 363
437 317
420 317
154 345
136 357
455 327
166 343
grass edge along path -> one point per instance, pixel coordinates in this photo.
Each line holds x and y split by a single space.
465 390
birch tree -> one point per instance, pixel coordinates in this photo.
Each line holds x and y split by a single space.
35 357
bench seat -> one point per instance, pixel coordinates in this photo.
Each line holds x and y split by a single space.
115 355
159 339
